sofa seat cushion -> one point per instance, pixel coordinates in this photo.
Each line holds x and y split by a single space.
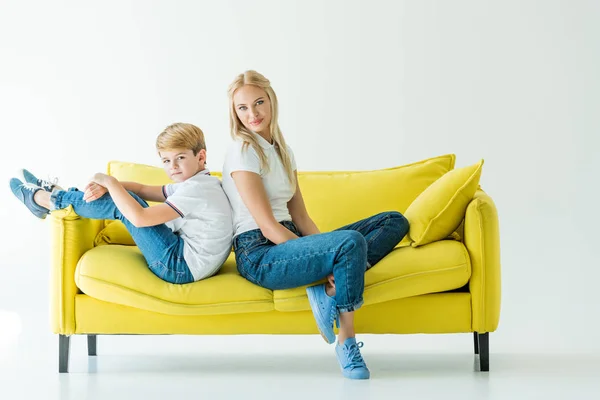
119 274
405 272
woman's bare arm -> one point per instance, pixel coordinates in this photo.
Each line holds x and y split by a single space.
253 194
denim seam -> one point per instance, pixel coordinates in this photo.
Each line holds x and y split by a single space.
166 246
244 273
257 265
56 198
168 269
244 253
243 270
349 278
351 307
297 258
380 229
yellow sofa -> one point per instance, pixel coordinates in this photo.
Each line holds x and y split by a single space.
100 283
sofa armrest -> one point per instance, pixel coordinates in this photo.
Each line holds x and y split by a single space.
71 237
482 240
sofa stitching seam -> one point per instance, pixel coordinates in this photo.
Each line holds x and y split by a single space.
391 280
170 302
482 246
416 274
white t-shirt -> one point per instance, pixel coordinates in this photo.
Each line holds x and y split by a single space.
276 182
205 222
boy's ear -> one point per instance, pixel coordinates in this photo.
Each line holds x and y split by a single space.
202 155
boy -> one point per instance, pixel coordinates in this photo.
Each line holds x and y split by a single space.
184 239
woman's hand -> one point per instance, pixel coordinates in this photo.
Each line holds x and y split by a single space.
93 191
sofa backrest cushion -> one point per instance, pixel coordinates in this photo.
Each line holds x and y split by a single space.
333 199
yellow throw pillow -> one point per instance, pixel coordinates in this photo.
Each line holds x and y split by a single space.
440 209
114 233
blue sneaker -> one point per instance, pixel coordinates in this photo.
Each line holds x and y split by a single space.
24 192
28 177
351 361
324 309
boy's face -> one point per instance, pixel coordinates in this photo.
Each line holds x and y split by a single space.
182 164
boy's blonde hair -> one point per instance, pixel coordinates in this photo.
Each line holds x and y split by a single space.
239 131
181 136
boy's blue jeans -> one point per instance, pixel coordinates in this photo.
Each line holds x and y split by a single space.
162 248
346 252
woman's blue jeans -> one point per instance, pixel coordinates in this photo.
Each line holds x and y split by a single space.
346 253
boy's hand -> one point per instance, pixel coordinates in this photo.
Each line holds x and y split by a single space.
93 191
102 179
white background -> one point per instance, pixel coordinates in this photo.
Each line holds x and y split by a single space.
362 85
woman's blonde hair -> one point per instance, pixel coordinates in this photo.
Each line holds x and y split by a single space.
181 136
239 131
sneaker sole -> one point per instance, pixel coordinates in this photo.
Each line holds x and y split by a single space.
356 378
312 300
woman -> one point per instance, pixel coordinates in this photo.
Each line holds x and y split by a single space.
277 244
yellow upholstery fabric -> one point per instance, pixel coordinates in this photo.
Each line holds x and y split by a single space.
434 313
407 292
405 272
482 239
361 194
114 233
71 237
439 210
128 281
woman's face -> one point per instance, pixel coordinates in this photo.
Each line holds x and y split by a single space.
253 108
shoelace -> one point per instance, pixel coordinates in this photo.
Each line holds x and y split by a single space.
48 184
30 186
354 357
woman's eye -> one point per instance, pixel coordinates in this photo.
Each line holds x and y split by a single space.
242 108
258 103
165 161
181 158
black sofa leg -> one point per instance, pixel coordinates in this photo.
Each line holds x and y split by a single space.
482 347
92 341
63 353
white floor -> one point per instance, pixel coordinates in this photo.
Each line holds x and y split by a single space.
292 367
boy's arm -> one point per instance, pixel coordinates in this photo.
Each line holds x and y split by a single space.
94 191
146 192
132 210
